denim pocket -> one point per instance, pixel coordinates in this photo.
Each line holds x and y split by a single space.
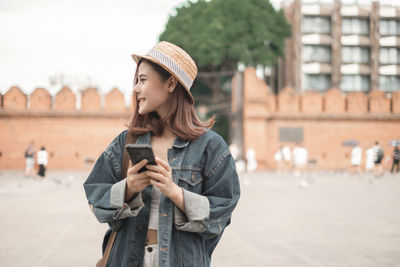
190 180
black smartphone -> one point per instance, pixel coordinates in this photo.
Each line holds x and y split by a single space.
138 152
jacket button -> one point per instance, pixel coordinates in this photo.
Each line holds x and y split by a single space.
136 264
140 228
143 197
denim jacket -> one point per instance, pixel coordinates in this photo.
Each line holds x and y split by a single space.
204 168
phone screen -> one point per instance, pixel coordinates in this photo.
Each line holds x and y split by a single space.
138 152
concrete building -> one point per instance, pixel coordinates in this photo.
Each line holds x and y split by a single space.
350 45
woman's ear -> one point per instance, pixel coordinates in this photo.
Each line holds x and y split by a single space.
172 82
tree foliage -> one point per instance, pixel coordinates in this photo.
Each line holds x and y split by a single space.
219 34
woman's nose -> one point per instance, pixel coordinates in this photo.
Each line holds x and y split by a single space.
136 89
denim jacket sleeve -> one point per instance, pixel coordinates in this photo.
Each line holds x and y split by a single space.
209 213
105 190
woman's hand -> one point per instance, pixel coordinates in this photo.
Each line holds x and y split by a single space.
161 177
136 182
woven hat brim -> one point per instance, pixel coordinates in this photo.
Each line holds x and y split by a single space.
137 57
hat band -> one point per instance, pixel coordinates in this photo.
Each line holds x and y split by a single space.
172 66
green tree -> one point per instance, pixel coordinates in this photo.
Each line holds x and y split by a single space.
219 34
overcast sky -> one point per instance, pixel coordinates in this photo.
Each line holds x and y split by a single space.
91 38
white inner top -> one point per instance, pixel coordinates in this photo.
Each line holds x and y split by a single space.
155 204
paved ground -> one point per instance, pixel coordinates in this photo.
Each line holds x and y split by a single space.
337 220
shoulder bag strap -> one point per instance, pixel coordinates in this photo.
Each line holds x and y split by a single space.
130 139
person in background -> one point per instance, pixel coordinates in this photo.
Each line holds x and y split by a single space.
251 160
378 156
239 163
356 158
287 158
278 157
396 159
369 159
42 161
300 155
29 159
234 151
283 158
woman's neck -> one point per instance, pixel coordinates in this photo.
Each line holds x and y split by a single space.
167 133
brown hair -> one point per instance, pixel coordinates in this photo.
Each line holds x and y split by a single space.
182 117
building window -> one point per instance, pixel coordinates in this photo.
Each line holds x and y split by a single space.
355 83
389 55
320 25
389 27
316 82
355 54
389 83
317 53
355 26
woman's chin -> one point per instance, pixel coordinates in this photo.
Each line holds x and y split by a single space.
146 110
143 111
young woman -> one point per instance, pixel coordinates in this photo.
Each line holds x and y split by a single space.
174 213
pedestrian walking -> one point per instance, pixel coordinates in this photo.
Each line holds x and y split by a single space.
173 213
378 156
396 159
278 157
300 156
30 160
251 160
42 161
283 158
356 158
369 159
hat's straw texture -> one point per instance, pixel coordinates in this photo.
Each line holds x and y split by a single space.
175 60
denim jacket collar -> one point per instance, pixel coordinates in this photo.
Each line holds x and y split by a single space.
146 137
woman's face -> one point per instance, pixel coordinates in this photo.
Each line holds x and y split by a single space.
151 92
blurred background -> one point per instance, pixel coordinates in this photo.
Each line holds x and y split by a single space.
301 90
274 73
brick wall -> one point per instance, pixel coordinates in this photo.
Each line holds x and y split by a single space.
73 138
15 99
327 119
65 100
40 99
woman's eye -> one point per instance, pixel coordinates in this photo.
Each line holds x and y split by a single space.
142 80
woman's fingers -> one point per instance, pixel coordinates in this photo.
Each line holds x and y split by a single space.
142 176
135 168
164 164
145 183
156 183
157 168
157 176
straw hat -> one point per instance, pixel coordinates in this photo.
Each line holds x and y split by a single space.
175 60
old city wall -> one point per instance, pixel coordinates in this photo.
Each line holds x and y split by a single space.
74 138
325 119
